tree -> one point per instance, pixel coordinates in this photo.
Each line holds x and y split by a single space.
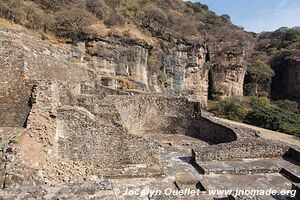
231 108
72 23
226 17
261 72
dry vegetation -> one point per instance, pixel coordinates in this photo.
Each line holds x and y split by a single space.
79 19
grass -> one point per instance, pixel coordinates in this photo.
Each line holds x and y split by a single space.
5 140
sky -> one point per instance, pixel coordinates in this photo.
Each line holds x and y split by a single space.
258 15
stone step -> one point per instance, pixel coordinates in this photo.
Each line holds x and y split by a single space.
255 182
132 171
248 166
291 175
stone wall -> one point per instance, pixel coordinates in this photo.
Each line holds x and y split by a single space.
24 59
211 132
82 138
142 114
243 149
155 114
15 103
25 55
42 120
73 135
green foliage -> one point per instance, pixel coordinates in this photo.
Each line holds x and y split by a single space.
5 140
263 70
226 17
130 9
198 7
231 108
260 101
293 129
263 94
259 112
250 89
287 105
214 20
126 33
292 35
274 119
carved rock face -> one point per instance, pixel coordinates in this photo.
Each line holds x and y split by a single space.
169 68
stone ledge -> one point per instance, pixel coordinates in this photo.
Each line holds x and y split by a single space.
243 149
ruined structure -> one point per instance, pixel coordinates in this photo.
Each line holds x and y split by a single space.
89 121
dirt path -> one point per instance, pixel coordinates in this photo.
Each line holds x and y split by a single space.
268 134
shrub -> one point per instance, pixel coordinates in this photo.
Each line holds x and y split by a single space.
13 10
34 15
250 89
226 17
293 129
126 33
214 20
260 101
198 7
54 5
155 59
292 35
231 108
113 3
130 10
262 71
97 7
274 119
71 23
263 94
114 19
287 105
154 14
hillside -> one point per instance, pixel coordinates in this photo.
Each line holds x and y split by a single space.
79 19
276 66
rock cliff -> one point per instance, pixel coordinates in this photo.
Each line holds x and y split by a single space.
174 67
286 82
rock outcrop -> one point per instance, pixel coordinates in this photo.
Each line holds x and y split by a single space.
169 67
286 82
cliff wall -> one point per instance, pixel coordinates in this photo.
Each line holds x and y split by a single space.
286 82
169 67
